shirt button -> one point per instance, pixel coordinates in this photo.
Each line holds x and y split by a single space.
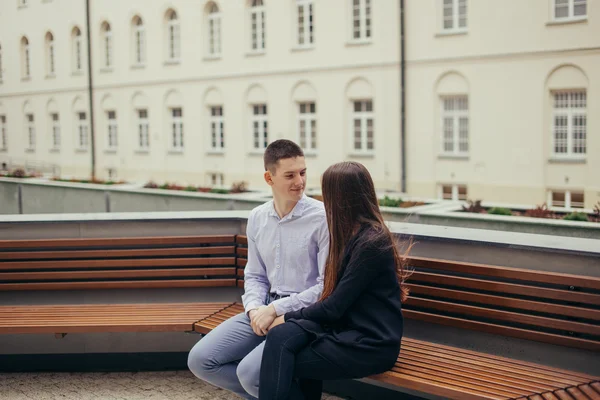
278 266
277 244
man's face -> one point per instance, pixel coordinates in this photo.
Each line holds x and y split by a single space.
289 180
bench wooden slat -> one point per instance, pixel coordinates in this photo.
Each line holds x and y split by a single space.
124 274
167 318
174 283
510 288
497 361
577 394
241 239
504 315
63 254
503 330
133 263
571 311
562 279
114 242
589 391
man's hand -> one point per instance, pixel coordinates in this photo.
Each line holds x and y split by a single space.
278 321
262 318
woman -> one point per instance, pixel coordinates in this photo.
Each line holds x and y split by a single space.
355 329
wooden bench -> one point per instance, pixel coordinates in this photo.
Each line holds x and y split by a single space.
115 263
554 308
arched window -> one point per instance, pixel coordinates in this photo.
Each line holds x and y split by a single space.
452 90
362 116
82 139
304 97
139 41
259 117
50 56
29 127
77 50
361 20
25 58
54 125
174 105
214 30
107 46
257 26
173 36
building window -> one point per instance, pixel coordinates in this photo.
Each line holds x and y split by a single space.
454 15
0 64
77 50
363 126
361 20
143 130
216 179
107 45
260 127
112 130
50 54
570 9
305 20
566 199
257 25
173 37
25 59
217 128
30 128
55 131
455 125
139 39
214 31
82 131
570 124
3 133
177 129
453 192
307 126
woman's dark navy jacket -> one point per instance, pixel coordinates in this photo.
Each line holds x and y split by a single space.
359 326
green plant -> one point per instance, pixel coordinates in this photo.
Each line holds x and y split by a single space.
390 202
473 207
540 212
499 211
164 186
191 188
18 173
219 191
576 216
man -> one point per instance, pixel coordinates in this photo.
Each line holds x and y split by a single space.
288 244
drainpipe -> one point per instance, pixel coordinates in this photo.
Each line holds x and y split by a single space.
402 100
90 89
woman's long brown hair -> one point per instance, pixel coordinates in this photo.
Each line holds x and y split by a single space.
350 201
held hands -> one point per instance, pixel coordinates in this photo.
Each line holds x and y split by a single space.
262 318
278 321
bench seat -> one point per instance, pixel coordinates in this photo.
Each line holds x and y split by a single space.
462 374
94 318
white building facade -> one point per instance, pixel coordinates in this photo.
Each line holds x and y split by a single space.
501 97
193 91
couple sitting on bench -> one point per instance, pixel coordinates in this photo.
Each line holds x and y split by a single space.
323 288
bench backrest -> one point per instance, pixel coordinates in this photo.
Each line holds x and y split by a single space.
548 307
118 263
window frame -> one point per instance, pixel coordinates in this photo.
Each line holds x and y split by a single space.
31 133
257 12
570 113
173 38
308 144
214 37
77 50
364 18
456 17
1 70
143 130
261 135
456 115
570 17
3 133
25 59
363 116
50 55
306 31
55 128
139 42
112 130
107 47
216 129
82 131
455 191
568 195
176 138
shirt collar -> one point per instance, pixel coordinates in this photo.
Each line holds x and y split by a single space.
297 211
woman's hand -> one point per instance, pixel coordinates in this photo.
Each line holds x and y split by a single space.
278 321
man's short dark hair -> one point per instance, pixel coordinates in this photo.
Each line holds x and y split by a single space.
278 150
